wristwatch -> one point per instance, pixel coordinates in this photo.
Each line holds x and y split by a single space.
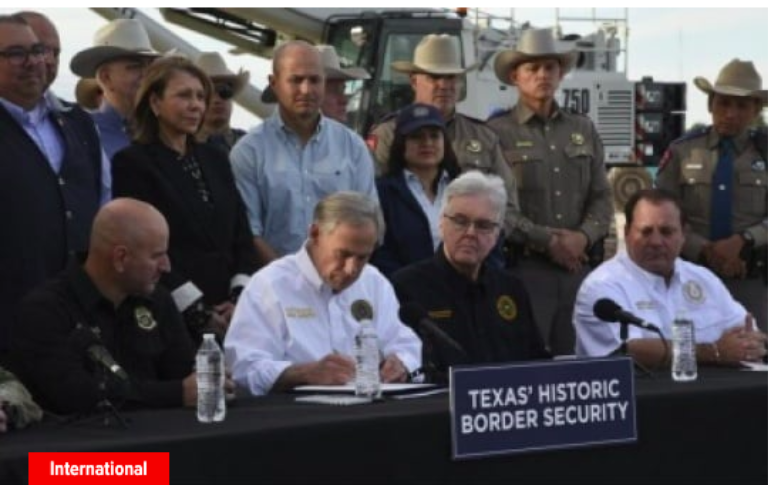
749 239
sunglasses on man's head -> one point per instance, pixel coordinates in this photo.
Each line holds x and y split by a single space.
224 90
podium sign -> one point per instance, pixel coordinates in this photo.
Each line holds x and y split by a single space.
503 409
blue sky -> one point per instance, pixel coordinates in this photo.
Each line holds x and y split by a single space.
670 44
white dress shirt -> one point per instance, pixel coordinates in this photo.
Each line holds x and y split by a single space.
287 315
693 289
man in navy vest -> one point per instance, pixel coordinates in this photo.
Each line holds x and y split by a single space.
50 170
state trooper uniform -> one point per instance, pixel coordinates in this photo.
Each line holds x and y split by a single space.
687 170
558 166
476 146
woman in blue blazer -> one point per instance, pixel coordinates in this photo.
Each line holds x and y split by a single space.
421 164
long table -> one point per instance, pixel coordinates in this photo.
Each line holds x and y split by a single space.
714 430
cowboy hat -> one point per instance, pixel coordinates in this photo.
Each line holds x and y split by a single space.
333 69
436 54
120 38
737 78
213 65
88 93
533 44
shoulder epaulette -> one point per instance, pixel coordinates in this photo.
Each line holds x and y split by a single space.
759 136
692 134
499 112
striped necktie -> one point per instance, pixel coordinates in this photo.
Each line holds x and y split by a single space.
721 214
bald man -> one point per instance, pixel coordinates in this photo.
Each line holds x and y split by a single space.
285 166
113 299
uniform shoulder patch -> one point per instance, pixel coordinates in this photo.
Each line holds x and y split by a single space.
692 134
498 112
472 119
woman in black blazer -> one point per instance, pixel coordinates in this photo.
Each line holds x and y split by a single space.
421 164
210 246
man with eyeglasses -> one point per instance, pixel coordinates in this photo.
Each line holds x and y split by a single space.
51 168
484 309
226 84
120 55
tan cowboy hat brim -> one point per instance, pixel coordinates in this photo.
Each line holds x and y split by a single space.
239 80
409 67
346 74
85 63
508 60
704 85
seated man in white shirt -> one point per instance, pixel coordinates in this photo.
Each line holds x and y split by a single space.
293 324
650 281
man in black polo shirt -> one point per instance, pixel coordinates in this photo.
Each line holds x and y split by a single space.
113 301
485 310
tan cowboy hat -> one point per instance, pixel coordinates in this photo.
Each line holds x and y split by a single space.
119 39
214 66
333 69
436 54
533 44
737 78
88 93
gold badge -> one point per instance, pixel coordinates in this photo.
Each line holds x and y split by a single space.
474 146
693 292
144 318
507 307
577 138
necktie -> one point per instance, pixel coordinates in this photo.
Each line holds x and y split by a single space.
721 216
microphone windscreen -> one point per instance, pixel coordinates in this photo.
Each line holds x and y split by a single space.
412 313
606 309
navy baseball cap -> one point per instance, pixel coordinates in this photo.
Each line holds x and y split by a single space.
414 117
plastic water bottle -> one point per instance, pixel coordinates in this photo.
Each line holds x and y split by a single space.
683 349
367 382
210 381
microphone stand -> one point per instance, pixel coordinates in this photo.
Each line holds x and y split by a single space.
640 370
105 412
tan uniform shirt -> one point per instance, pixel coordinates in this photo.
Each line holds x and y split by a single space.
476 147
561 178
687 169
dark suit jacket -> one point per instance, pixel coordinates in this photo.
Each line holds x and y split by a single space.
208 244
408 238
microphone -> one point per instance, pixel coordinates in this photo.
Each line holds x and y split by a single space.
607 310
416 316
85 341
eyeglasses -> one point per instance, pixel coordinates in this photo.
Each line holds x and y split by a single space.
18 56
224 90
462 224
51 53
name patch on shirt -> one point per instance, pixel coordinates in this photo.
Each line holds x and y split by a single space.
645 305
694 166
440 314
299 312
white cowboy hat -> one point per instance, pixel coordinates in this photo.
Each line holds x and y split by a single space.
333 69
214 66
534 44
436 54
120 38
737 78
